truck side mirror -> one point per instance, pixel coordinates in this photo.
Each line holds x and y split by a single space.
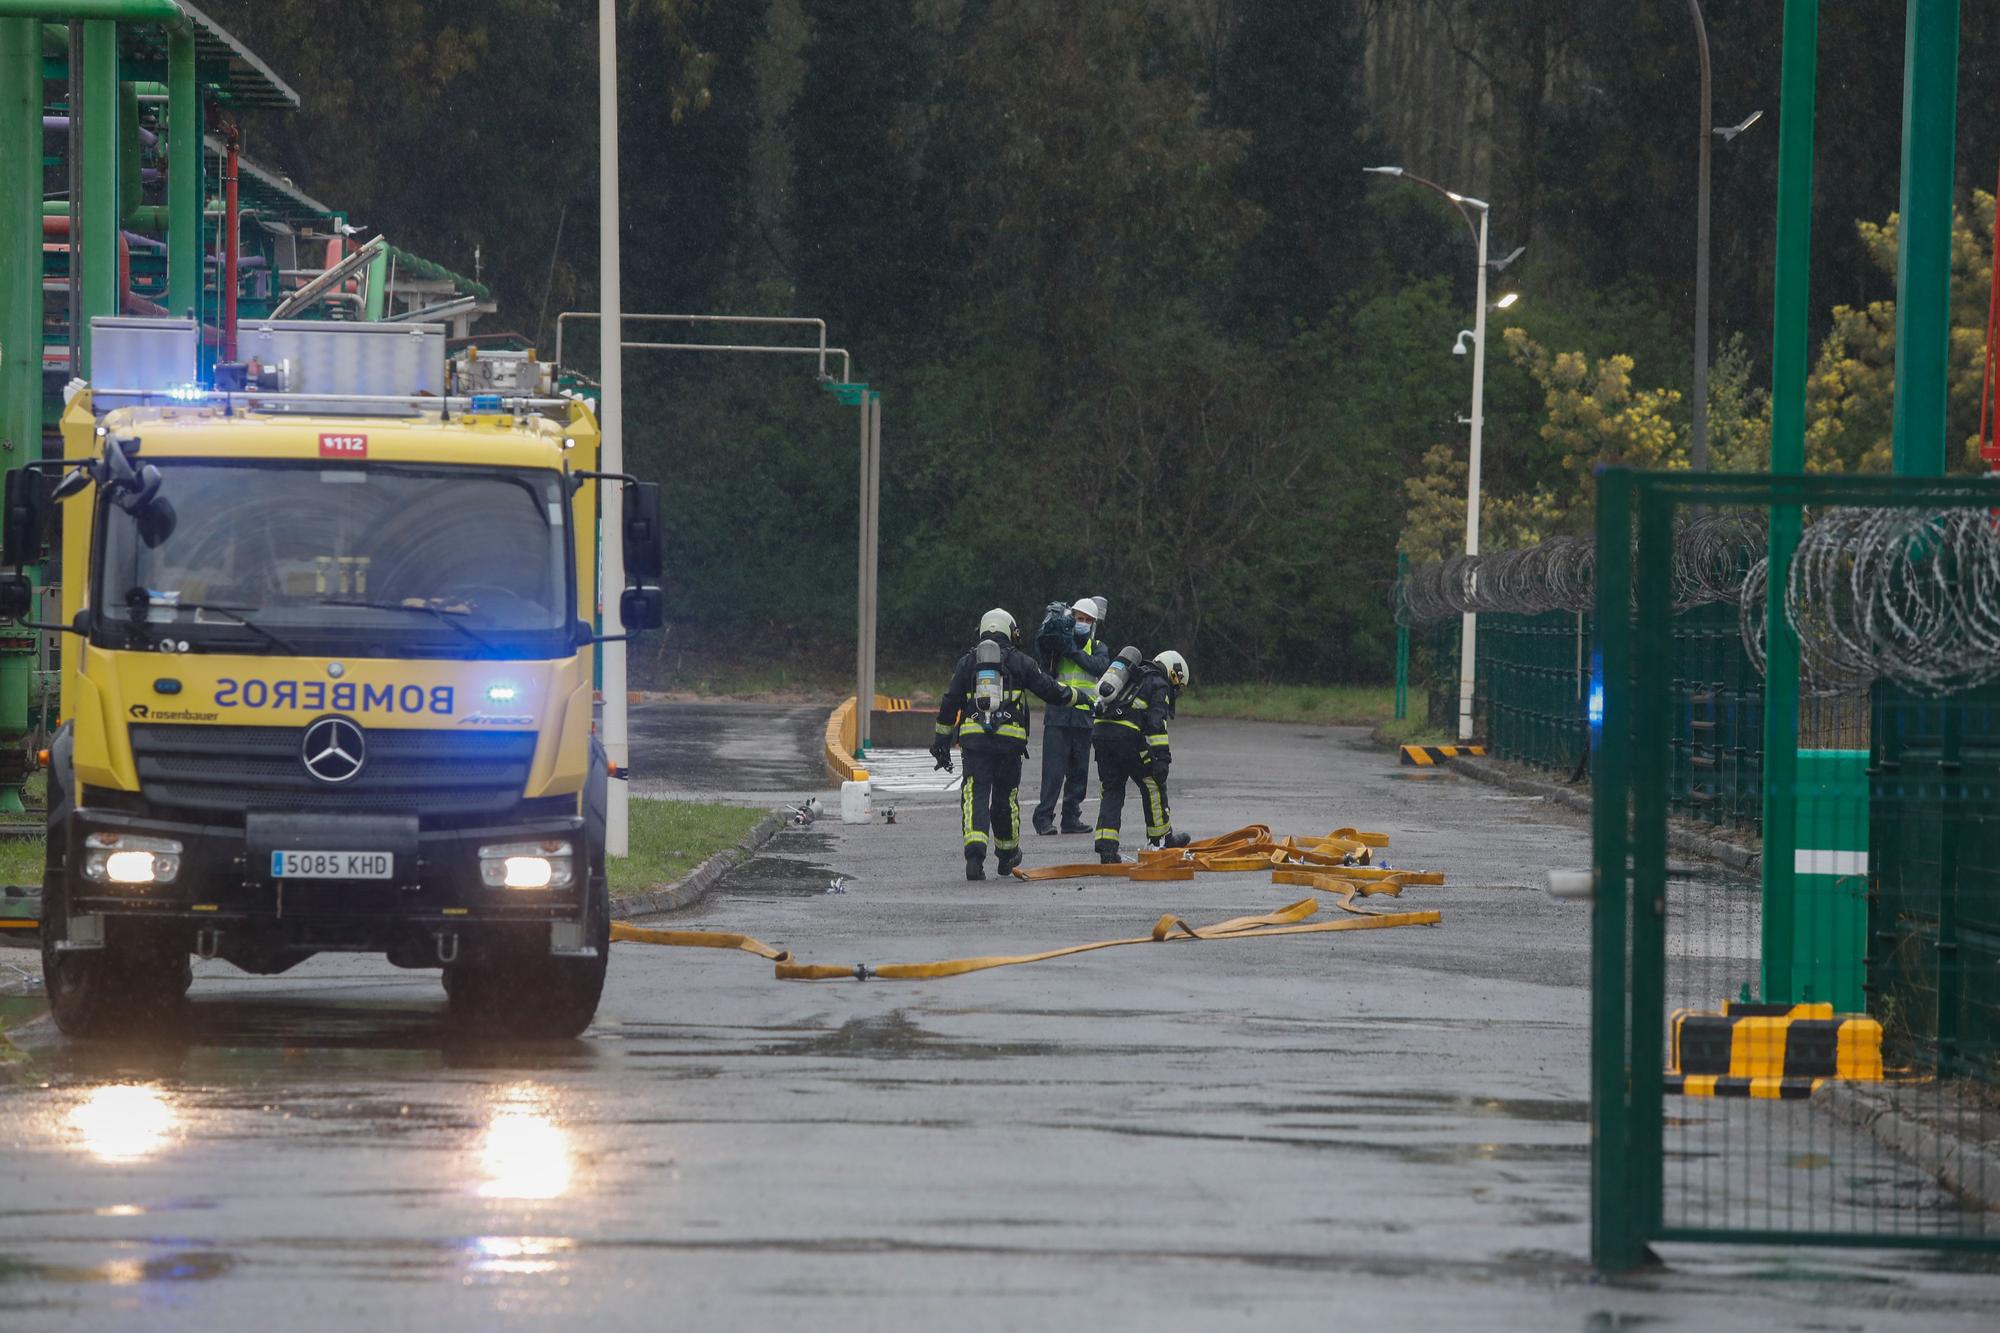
643 607
645 553
17 596
26 519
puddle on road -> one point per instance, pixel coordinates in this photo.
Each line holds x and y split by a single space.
178 1266
1360 1102
788 869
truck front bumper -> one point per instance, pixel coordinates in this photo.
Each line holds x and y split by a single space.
225 883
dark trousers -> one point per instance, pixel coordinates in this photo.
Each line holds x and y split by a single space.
1065 773
1117 764
990 803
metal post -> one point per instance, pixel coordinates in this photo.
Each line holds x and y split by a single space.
232 237
1698 445
20 240
1788 455
73 169
183 178
611 411
864 702
1402 641
1923 249
1616 1242
1468 631
100 178
20 338
874 535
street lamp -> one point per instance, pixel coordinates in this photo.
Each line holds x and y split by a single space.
1468 635
1698 445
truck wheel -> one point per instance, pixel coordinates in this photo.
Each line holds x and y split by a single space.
134 984
523 991
137 982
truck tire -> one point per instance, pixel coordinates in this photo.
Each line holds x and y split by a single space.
136 983
519 990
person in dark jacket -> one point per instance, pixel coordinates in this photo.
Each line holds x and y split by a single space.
986 711
1066 731
1130 737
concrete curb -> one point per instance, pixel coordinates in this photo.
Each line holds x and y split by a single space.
1679 839
692 887
1967 1168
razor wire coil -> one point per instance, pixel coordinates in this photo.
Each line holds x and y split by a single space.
1905 595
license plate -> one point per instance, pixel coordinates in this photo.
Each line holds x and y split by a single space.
332 865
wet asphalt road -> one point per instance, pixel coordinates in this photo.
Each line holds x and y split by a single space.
1382 1129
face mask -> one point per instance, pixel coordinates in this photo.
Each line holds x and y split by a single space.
1083 632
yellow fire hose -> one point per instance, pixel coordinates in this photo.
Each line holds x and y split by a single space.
1335 864
1168 929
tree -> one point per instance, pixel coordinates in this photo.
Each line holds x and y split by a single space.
1850 395
1289 77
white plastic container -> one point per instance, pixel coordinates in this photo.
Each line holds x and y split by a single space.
855 807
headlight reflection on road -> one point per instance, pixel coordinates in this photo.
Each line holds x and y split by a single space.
519 1255
123 1122
525 1154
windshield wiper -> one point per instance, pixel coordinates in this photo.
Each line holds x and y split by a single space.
435 612
235 614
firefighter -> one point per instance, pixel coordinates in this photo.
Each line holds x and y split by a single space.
985 710
1130 736
1066 731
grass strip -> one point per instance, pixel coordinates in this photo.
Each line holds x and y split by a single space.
670 838
1312 705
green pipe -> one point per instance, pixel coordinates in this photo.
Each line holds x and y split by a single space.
116 11
183 221
100 178
20 313
20 240
1799 70
1923 249
376 299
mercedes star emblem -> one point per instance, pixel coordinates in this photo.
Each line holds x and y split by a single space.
333 750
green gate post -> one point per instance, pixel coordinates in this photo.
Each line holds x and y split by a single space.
1788 455
1617 1242
183 179
1830 877
1402 641
1923 246
1652 692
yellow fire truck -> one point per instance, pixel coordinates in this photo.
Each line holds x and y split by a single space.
327 642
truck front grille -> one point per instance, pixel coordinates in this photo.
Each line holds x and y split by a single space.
433 774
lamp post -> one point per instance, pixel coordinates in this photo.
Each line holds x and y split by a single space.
1468 634
1698 444
610 413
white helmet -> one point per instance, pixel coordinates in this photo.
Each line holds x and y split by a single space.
999 622
1103 607
1175 666
1085 606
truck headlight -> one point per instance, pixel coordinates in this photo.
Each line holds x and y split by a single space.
123 858
527 865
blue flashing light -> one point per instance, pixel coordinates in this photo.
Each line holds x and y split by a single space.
1594 702
500 694
485 402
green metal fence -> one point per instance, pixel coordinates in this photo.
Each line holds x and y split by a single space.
1532 690
1800 1060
